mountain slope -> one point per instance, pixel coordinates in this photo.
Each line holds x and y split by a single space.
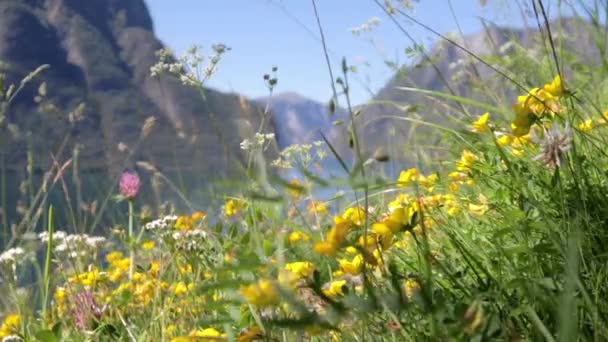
100 53
299 120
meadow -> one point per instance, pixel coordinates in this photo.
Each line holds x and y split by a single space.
501 237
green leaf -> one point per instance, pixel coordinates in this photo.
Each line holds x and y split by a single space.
46 336
267 245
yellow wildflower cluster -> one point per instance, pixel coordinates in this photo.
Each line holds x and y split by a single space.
261 293
539 102
185 223
233 207
352 217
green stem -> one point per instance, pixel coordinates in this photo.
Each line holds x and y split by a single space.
47 264
4 204
131 242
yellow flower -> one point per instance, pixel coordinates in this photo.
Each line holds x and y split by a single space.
428 182
198 216
354 215
303 269
209 332
318 207
336 235
232 207
520 142
201 335
503 140
466 160
353 267
337 273
457 176
481 125
335 288
298 236
586 125
401 201
90 278
406 177
410 286
147 245
350 250
10 325
261 293
59 294
185 269
114 257
481 208
170 329
180 288
517 152
453 210
367 241
539 101
555 88
183 223
60 299
325 248
115 275
381 228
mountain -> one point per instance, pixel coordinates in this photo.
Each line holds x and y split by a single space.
299 120
100 53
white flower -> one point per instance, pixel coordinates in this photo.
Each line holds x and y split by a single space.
95 241
246 145
161 224
57 236
12 256
75 244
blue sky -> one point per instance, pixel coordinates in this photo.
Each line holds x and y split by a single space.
264 33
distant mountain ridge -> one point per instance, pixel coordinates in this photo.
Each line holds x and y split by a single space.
100 53
300 120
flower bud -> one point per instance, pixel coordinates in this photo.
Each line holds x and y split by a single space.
129 184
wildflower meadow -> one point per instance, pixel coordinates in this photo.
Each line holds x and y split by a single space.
500 236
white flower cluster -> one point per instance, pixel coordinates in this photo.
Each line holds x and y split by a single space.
366 27
161 224
57 236
260 141
12 256
12 338
188 68
300 155
191 240
74 245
